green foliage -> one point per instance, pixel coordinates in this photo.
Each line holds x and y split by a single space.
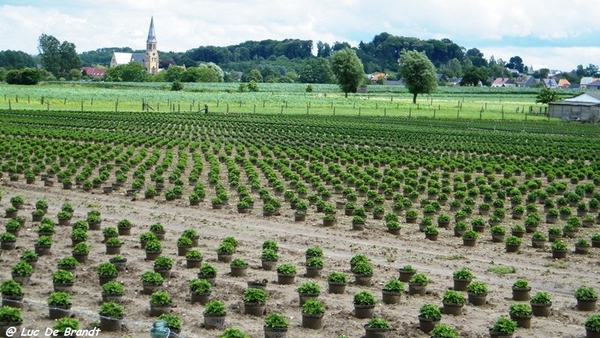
160 297
546 96
214 307
238 262
337 277
163 262
286 269
378 323
559 245
62 277
199 286
173 321
62 324
112 288
364 298
418 279
152 277
430 311
541 297
313 307
59 298
443 331
106 269
176 86
275 320
111 310
310 288
363 269
477 288
254 295
9 314
314 251
520 310
463 274
348 70
394 285
11 288
81 248
22 268
25 76
453 297
592 322
67 262
521 284
417 72
207 270
504 325
232 332
585 293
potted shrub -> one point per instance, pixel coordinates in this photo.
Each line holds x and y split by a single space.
7 241
37 215
112 292
151 281
503 328
106 272
119 262
30 257
429 316
443 331
592 326
42 245
540 304
314 266
337 282
559 249
68 263
159 230
269 259
225 252
392 291
406 272
431 232
12 293
214 315
376 328
17 201
254 301
153 249
64 217
11 212
582 246
62 280
358 223
312 314
208 272
518 231
443 220
191 234
417 284
520 290
308 290
286 274
469 237
200 290
46 228
238 267
538 239
66 327
160 303
477 293
521 314
163 265
453 302
512 244
275 326
10 317
111 315
586 298
462 278
460 228
109 232
59 305
80 252
270 244
174 323
313 251
13 226
498 233
21 272
363 272
124 227
193 259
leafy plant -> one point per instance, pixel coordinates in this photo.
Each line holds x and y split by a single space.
160 297
394 285
67 262
470 234
124 224
541 297
207 270
43 241
314 251
254 295
9 314
275 320
226 248
513 240
62 277
313 307
62 324
11 288
215 307
173 321
111 310
286 269
463 274
153 246
477 288
163 262
453 297
364 298
592 323
107 269
315 262
430 311
199 286
520 310
520 284
29 255
504 325
559 245
59 298
585 293
232 332
7 237
269 255
310 288
193 254
377 323
270 244
408 268
418 279
151 277
443 331
22 268
337 277
112 288
81 248
238 262
363 269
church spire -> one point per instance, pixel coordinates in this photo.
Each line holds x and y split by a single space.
151 32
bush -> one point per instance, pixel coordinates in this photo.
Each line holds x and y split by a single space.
107 269
520 310
377 323
59 298
160 297
111 310
419 279
592 323
443 331
453 297
585 293
310 288
541 297
232 332
313 307
62 324
337 277
214 307
364 298
463 274
173 321
112 288
504 325
11 288
10 314
394 285
363 269
286 269
477 288
275 320
62 277
430 311
254 295
152 277
199 286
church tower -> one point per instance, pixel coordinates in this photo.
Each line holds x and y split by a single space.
151 57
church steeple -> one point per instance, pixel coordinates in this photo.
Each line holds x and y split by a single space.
151 57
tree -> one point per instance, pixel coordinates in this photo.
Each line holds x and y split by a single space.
476 57
348 70
473 76
515 62
58 58
542 73
418 73
316 70
69 59
323 49
252 75
131 72
10 59
546 96
25 76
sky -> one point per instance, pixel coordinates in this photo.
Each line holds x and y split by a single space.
555 34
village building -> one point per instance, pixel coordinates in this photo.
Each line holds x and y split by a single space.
148 59
583 107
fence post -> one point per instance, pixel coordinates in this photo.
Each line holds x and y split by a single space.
254 109
9 105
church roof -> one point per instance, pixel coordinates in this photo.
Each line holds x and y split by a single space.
122 58
151 32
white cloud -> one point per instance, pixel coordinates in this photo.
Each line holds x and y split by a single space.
186 24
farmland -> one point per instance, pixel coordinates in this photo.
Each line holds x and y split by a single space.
258 174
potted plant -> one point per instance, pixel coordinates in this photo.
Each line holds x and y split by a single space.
429 316
312 314
7 241
214 315
109 232
151 281
174 323
308 290
518 231
208 272
12 293
406 272
512 244
392 291
225 252
42 245
520 290
119 262
417 284
153 249
11 212
286 273
469 237
498 233
238 267
503 328
64 217
453 302
200 290
582 246
106 272
275 326
443 331
363 272
160 302
21 272
462 278
337 282
30 257
146 237
193 259
13 226
80 252
94 221
431 232
111 315
521 314
269 259
254 301
270 244
191 234
46 228
124 227
592 326
66 327
59 305
443 220
112 292
17 201
159 230
163 265
540 304
376 328
10 317
477 293
559 249
586 298
68 263
62 280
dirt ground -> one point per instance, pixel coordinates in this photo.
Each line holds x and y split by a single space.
436 259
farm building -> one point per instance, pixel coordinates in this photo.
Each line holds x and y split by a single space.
583 107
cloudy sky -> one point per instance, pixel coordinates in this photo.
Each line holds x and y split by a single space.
559 34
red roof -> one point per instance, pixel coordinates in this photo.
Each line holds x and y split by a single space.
93 71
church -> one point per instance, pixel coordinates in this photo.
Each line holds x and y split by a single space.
149 59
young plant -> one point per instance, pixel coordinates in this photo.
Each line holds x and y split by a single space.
199 286
10 288
255 296
477 288
81 248
309 288
111 310
363 269
337 277
505 326
160 297
463 274
112 288
394 285
276 321
377 323
173 321
9 314
59 298
541 297
585 293
22 268
519 310
214 307
207 270
313 307
443 331
418 279
107 269
453 297
364 298
62 277
430 311
286 269
61 325
151 277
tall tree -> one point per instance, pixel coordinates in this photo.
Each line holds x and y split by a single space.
68 57
348 70
316 70
476 57
49 48
418 73
515 62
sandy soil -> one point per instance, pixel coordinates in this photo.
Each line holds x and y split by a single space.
436 259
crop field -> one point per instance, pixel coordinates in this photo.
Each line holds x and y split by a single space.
502 198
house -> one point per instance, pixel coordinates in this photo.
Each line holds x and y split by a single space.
441 78
503 82
594 85
93 72
149 59
563 83
527 81
585 81
378 77
584 107
550 83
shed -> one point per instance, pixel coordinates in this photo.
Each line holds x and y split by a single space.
584 107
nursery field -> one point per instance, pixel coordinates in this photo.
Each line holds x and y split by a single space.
251 195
